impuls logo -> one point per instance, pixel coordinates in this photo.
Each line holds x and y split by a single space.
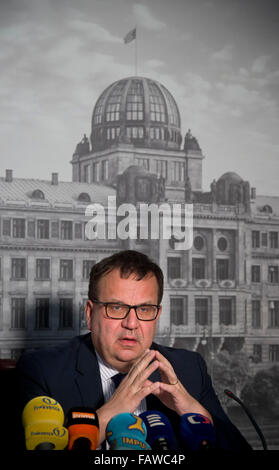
142 222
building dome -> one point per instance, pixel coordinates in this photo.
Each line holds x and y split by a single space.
137 170
232 189
139 111
231 177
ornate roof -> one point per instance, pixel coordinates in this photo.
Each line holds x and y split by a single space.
21 191
136 110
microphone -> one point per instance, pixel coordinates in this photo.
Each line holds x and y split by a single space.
197 432
126 431
160 435
247 411
43 419
83 429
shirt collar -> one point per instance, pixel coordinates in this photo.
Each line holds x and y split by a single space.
106 371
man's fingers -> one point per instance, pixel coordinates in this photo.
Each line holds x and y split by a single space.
169 373
145 373
148 388
140 365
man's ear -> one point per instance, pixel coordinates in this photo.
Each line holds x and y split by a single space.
89 311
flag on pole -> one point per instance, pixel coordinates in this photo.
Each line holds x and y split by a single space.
130 36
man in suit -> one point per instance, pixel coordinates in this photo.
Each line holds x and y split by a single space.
123 309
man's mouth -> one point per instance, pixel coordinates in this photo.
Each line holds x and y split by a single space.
127 340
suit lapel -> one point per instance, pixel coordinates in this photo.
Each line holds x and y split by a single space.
87 375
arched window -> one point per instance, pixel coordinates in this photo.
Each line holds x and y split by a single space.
267 208
84 197
222 244
38 194
199 242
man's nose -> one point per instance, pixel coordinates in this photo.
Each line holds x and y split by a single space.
131 322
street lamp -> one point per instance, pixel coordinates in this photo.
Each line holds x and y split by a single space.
203 339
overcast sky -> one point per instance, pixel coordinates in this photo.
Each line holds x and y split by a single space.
219 59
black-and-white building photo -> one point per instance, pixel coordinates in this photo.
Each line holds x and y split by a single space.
170 103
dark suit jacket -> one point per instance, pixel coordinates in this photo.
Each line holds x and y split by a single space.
70 374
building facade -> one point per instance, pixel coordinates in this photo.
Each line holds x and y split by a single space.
222 293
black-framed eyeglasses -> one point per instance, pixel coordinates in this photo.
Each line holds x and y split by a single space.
115 311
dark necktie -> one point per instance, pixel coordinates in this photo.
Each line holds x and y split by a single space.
117 379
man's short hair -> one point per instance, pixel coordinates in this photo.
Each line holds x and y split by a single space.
128 262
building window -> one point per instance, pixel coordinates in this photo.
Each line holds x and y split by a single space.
157 106
78 231
114 102
31 228
18 313
66 230
6 228
178 310
227 311
273 238
66 269
113 111
157 133
257 353
255 273
264 239
201 311
143 162
173 113
162 168
42 268
274 353
113 133
99 109
256 314
198 268
135 133
54 229
255 239
199 243
66 313
19 228
37 194
135 100
273 274
42 313
18 268
222 244
222 269
178 171
174 268
86 268
273 308
84 197
43 229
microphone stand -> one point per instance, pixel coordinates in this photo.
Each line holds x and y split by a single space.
259 432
